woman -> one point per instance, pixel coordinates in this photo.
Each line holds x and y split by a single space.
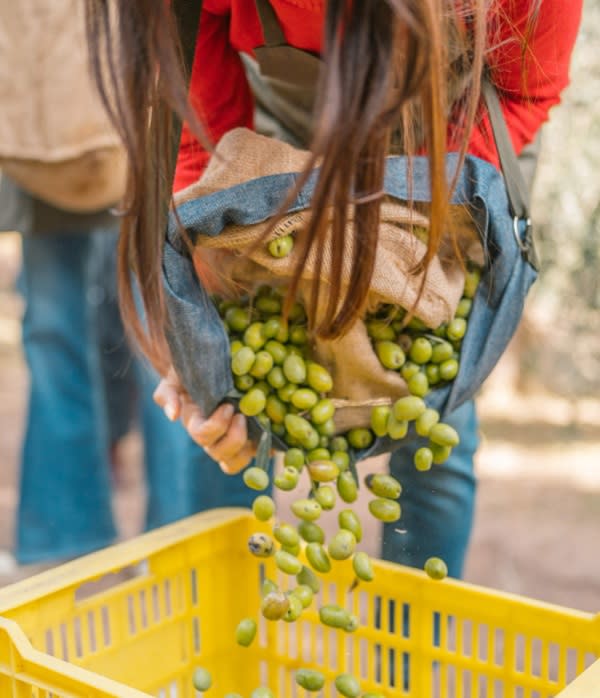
385 65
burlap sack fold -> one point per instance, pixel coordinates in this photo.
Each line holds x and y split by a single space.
359 379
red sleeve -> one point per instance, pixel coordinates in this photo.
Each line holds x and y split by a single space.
219 93
528 86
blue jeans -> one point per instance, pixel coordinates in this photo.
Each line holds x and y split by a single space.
65 494
437 505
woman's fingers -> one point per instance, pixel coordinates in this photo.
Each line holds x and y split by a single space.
168 395
223 435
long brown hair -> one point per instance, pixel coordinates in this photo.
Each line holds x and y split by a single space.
386 62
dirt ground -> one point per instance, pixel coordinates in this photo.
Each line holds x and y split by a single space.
537 521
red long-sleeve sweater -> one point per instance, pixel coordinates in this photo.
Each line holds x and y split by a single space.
221 95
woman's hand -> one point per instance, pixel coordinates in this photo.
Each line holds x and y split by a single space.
223 435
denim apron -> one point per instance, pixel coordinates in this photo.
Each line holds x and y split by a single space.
283 79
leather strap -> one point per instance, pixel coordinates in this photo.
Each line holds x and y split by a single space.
518 192
272 31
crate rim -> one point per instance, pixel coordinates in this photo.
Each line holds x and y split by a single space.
131 552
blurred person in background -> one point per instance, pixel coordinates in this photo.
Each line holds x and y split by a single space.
62 169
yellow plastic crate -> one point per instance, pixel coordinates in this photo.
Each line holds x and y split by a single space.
64 633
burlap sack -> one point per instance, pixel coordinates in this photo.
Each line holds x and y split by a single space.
56 141
359 379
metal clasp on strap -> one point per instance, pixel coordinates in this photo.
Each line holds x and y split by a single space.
525 240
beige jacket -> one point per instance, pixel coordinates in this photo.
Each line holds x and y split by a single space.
55 139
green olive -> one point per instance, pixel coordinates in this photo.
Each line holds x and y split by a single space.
270 330
326 428
263 363
318 454
293 550
409 370
318 378
253 336
304 593
325 495
456 329
427 420
268 305
436 568
317 557
298 335
202 679
311 532
276 350
339 443
287 563
334 616
253 402
397 428
308 577
245 632
323 471
471 282
386 510
380 331
449 369
440 453
274 605
298 427
310 680
237 319
361 564
379 419
242 361
275 409
360 438
342 545
417 324
390 355
294 368
423 459
432 373
261 545
349 521
347 685
262 692
264 388
418 385
295 609
281 247
243 383
263 507
307 509
322 411
297 312
278 430
294 457
341 459
285 534
444 435
408 408
346 487
464 308
383 485
235 346
285 393
233 695
352 625
420 350
304 398
287 479
442 351
256 478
